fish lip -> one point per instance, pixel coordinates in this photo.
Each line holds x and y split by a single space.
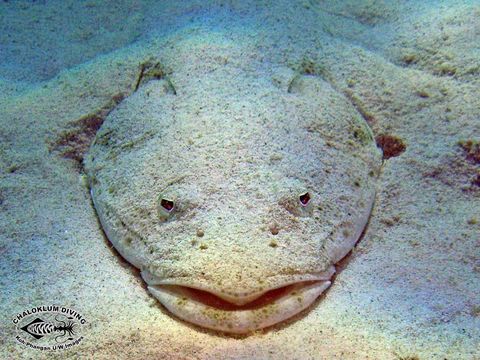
238 298
241 320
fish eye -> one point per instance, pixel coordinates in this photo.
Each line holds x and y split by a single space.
167 205
304 198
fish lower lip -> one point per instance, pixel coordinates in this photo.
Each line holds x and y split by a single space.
209 311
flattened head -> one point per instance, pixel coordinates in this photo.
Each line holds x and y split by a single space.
238 226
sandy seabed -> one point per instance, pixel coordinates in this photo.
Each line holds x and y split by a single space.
409 290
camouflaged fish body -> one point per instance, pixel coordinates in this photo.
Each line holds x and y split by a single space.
234 201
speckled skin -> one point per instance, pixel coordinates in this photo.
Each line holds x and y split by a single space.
234 159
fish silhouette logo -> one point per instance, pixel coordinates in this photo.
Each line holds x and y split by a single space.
49 327
39 328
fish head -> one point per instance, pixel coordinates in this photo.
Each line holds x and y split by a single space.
235 204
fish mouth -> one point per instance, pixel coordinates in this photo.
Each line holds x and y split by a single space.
216 311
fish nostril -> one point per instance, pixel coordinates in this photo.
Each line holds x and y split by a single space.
274 229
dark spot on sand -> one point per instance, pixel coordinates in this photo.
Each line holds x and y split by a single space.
74 141
471 149
423 94
391 145
459 168
13 168
409 59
